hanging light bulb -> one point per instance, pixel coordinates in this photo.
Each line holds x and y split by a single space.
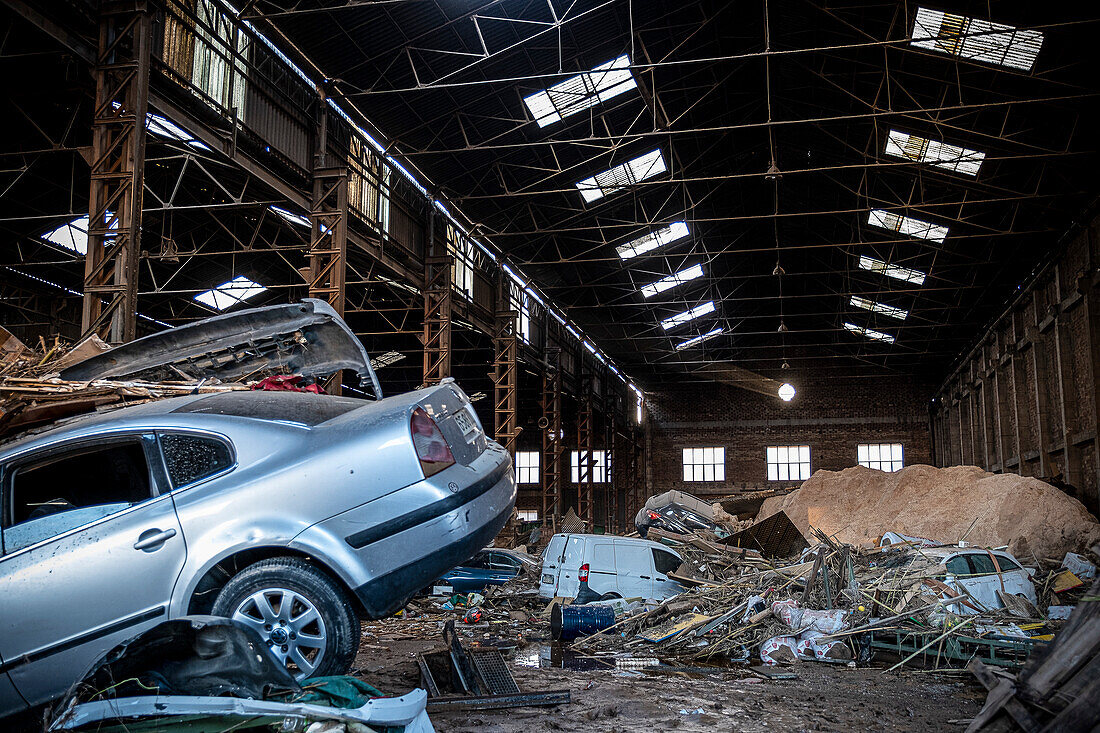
782 326
786 392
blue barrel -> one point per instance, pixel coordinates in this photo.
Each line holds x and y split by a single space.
569 622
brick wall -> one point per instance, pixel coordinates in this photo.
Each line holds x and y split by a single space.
832 417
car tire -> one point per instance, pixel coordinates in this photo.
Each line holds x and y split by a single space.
313 627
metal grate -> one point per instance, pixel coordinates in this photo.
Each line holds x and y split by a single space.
490 667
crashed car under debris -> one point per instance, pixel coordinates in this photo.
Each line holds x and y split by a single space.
292 513
676 511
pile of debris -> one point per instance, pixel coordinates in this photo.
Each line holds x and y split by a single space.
858 505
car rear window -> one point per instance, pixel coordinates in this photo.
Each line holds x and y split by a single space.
300 407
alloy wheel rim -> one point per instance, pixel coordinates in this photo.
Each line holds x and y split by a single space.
290 625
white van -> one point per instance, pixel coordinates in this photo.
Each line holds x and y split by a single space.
588 567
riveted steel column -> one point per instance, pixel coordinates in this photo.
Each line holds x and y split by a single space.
117 171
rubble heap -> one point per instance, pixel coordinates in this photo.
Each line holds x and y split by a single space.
858 505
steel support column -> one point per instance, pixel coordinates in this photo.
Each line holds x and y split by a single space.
611 487
437 308
117 171
585 497
505 373
552 447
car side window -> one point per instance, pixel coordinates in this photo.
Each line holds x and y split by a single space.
958 565
1006 563
54 494
191 458
665 562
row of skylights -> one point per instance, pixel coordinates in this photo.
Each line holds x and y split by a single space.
976 39
869 333
622 176
237 290
696 340
688 315
672 281
907 225
675 231
939 154
886 310
578 93
898 273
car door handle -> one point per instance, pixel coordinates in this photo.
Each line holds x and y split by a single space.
660 580
645 577
151 539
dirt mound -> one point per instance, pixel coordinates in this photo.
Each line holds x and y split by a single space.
859 504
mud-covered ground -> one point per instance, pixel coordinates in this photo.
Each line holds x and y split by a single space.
824 697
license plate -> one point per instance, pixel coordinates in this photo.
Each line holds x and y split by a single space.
464 423
548 579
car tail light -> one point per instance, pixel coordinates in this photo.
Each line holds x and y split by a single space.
431 447
654 515
583 574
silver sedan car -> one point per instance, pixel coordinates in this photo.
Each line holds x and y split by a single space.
293 513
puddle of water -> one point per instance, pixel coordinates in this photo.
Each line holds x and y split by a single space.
554 656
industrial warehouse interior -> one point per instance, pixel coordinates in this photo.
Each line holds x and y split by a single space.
584 365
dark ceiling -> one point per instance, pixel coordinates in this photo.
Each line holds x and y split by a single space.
723 89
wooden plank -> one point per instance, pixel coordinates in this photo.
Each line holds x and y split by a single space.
1002 691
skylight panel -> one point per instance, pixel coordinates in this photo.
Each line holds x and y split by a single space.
688 315
290 216
696 340
622 176
578 93
874 307
672 281
976 39
907 225
940 154
675 231
72 236
869 333
894 271
164 127
228 294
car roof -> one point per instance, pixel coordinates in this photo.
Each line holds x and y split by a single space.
300 408
950 550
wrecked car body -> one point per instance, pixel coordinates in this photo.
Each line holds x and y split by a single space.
982 574
292 513
679 512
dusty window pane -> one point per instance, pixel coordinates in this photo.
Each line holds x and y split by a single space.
190 458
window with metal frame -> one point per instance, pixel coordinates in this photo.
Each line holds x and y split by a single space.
788 462
527 467
882 456
599 469
704 464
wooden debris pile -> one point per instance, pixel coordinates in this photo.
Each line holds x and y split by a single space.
726 613
1058 688
32 394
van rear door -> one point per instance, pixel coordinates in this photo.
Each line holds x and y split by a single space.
572 559
551 566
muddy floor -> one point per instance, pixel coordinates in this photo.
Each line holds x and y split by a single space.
822 698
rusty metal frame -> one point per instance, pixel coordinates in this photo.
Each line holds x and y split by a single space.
438 296
586 509
552 447
117 170
505 371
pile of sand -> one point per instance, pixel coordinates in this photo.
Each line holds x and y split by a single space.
859 504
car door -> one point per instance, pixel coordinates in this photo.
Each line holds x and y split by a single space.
985 583
92 549
1016 578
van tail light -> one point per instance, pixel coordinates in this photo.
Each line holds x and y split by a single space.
430 445
654 515
583 574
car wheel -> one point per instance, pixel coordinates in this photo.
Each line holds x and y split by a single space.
305 618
